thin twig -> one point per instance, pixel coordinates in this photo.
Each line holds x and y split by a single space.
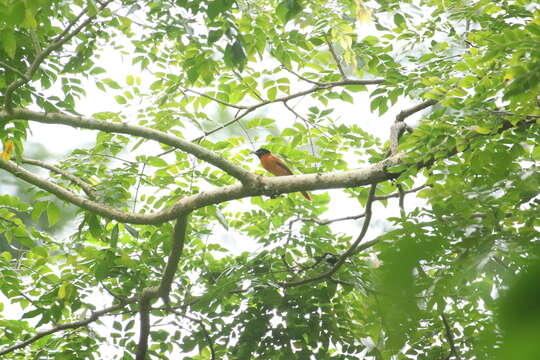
139 180
14 69
397 194
221 127
507 113
253 91
225 103
306 123
302 77
326 222
449 336
205 333
72 325
408 112
334 55
355 217
9 221
249 109
350 251
87 188
401 193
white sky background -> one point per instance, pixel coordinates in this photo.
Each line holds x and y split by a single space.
59 140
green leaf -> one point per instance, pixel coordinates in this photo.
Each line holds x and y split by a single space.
53 213
217 7
156 161
399 20
288 9
238 55
95 225
32 314
9 44
29 19
133 232
39 208
101 270
120 99
482 130
222 219
111 83
114 236
92 8
214 35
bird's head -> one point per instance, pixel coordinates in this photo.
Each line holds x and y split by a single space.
261 152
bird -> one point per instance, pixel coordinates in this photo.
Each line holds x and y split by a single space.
275 165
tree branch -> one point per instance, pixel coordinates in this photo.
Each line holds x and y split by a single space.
284 99
164 288
14 69
87 188
124 128
302 77
408 112
329 221
72 325
449 336
334 55
225 103
350 251
263 185
355 217
57 43
178 241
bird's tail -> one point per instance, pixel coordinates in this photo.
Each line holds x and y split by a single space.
306 195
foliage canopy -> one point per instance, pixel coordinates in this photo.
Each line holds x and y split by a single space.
180 245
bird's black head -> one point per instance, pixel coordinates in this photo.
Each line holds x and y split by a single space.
261 152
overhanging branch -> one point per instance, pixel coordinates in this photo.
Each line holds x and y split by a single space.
125 128
263 185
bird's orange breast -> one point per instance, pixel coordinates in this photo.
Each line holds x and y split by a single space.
275 165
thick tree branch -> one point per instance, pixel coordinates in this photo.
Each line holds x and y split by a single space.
178 241
263 185
57 43
164 288
144 318
124 128
397 129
